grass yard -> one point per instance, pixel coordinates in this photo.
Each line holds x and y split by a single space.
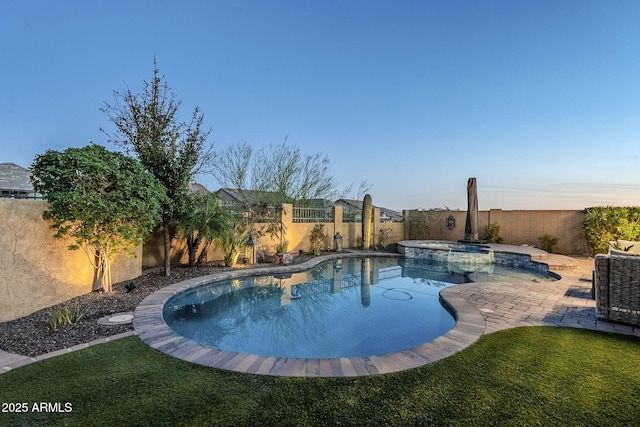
523 376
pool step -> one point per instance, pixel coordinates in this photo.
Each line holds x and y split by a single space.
557 262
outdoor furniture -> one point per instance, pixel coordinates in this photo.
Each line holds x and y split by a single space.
628 246
617 286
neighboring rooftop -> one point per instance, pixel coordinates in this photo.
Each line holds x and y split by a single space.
195 187
385 214
242 197
15 181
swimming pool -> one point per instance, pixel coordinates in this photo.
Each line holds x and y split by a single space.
343 308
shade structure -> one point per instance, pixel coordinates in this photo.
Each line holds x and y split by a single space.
471 226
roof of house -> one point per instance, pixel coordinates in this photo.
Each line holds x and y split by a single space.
256 196
384 212
14 177
195 187
252 196
239 196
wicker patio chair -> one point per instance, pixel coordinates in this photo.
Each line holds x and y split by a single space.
617 285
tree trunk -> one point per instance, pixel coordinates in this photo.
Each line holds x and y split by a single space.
191 250
202 258
106 282
167 248
231 257
97 275
101 273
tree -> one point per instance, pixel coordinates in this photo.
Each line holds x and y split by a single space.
280 174
205 222
264 179
421 220
105 201
173 151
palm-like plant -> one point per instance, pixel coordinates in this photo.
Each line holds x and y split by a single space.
205 223
317 238
233 240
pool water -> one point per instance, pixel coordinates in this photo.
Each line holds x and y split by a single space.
352 307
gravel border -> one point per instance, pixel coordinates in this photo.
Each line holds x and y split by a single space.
32 336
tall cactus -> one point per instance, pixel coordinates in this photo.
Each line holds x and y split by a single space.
367 223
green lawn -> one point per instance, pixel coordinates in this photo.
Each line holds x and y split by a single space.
531 376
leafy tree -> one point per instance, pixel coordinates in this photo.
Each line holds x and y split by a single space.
205 222
105 201
173 151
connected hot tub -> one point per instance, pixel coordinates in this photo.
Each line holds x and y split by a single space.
474 255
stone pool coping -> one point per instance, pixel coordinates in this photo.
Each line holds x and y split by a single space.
150 327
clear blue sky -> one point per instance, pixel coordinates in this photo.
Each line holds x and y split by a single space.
539 100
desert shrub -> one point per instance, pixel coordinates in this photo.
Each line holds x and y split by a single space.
317 238
282 246
233 241
491 233
384 236
549 243
420 221
65 315
602 225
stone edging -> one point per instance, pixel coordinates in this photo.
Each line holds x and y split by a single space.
9 361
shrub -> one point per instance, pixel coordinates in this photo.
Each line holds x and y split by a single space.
602 225
233 241
65 315
385 236
549 243
421 221
491 233
282 246
317 238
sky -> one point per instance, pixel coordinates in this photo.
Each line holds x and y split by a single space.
538 100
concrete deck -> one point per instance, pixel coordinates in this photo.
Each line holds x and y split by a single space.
480 308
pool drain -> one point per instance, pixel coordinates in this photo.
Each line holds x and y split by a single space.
397 295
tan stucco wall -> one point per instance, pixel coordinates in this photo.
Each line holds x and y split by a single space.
37 270
517 228
527 226
523 227
297 234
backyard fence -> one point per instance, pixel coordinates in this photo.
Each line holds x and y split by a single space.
301 214
351 214
40 271
516 227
